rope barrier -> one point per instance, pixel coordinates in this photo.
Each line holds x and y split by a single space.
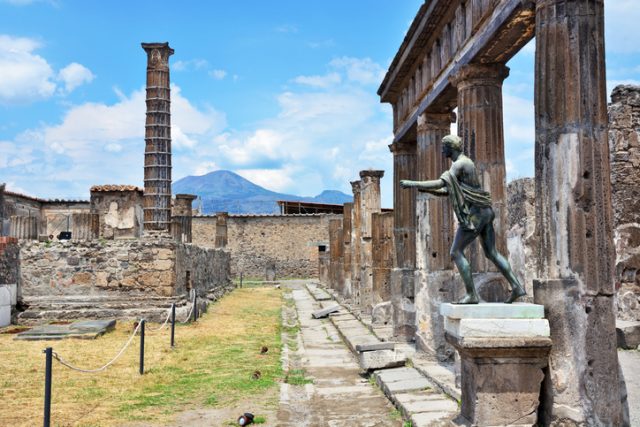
164 324
88 371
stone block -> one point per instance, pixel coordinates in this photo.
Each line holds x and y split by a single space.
376 346
325 312
497 327
382 314
628 334
379 359
490 310
13 293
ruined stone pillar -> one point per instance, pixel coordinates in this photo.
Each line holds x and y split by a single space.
573 215
404 234
221 230
434 276
481 129
335 253
346 250
382 241
370 204
355 243
157 154
182 216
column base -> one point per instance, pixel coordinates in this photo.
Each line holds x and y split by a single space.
503 350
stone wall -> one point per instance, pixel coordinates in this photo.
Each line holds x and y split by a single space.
261 243
150 267
624 145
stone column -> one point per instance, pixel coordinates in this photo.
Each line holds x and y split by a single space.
370 204
157 154
222 230
355 244
335 253
404 234
573 215
434 277
346 250
481 129
382 241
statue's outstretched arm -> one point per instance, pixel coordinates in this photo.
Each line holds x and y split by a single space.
429 186
437 192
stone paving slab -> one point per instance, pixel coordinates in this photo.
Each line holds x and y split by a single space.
318 294
319 314
86 329
443 377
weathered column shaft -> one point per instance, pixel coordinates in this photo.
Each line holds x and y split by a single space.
404 235
355 243
221 230
182 217
481 129
573 214
335 252
434 277
157 156
346 250
382 261
434 216
370 203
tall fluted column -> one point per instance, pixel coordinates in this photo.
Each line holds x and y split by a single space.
404 233
434 233
370 204
481 129
157 154
573 215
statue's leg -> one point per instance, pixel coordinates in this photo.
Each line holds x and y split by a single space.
462 239
488 241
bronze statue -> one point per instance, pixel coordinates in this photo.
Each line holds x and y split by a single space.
472 206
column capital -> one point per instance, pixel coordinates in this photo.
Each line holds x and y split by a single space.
157 54
436 121
480 74
355 187
371 173
399 148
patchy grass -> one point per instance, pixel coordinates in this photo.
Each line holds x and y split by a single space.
297 377
212 365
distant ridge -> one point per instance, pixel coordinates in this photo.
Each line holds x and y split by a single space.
226 191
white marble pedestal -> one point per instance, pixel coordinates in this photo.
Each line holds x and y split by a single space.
503 349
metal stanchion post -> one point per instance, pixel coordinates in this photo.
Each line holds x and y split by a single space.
173 323
195 307
47 386
241 279
142 322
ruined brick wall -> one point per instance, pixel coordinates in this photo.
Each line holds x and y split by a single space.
201 268
9 260
260 243
135 267
624 145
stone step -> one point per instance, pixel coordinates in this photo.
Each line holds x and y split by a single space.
628 334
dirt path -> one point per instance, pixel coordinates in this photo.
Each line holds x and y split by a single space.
336 394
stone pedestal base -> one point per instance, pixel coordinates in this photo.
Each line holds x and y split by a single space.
503 350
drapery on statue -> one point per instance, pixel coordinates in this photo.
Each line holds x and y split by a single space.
472 206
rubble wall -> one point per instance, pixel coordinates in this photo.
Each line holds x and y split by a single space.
134 267
624 146
267 246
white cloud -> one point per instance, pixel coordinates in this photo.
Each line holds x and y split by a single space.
205 167
274 179
327 80
24 76
287 28
360 70
218 74
188 65
74 75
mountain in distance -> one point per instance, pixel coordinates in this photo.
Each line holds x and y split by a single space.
226 191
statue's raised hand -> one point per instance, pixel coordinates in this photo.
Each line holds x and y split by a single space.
405 183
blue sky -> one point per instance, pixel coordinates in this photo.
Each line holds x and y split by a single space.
281 92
